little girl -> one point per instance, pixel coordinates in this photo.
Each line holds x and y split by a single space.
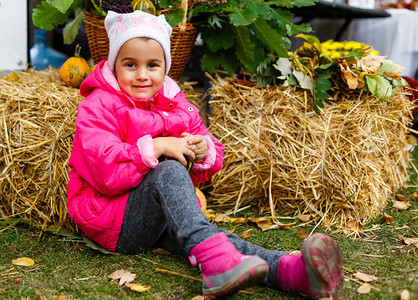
125 199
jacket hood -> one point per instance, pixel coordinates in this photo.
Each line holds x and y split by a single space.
102 77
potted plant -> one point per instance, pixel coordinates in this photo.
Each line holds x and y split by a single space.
238 35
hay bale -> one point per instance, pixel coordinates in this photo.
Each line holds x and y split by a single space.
37 122
338 166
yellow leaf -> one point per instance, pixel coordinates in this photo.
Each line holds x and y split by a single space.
400 204
404 295
137 287
14 76
364 289
23 261
246 234
388 218
364 277
238 220
302 235
355 225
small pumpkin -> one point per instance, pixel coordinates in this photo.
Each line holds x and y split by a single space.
202 199
74 70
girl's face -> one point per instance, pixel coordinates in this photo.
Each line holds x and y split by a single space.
140 68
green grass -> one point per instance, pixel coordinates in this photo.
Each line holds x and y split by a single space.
69 268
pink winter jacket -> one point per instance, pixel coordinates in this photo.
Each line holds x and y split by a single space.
113 149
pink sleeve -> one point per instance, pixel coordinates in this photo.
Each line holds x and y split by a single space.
210 157
146 150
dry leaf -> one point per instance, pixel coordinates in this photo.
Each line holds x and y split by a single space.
123 276
401 197
409 241
303 218
246 234
238 220
364 277
388 218
59 297
199 297
404 295
302 235
364 289
355 225
161 251
221 218
295 252
137 287
400 204
23 261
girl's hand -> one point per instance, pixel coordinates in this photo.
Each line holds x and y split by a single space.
199 146
175 148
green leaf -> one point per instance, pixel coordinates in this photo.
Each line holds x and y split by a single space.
294 3
378 86
311 39
61 5
283 19
242 17
244 46
210 62
216 39
229 61
322 82
390 66
71 29
47 17
269 37
174 18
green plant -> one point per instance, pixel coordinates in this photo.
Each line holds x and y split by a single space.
238 35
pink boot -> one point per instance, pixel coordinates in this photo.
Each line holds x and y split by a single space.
316 273
224 269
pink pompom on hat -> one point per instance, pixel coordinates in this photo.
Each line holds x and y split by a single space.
121 28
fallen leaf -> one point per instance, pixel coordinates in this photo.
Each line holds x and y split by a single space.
401 197
404 295
246 234
364 289
127 277
23 261
388 218
415 194
123 276
400 204
137 287
161 251
303 218
238 220
295 252
355 225
364 277
59 297
221 218
302 235
409 241
199 297
210 216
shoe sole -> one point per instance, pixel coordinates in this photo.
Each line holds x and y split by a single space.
323 257
251 274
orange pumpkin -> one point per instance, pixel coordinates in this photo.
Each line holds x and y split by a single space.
202 199
74 70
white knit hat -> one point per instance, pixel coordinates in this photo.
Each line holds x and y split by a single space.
124 27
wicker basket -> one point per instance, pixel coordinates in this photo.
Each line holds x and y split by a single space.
182 41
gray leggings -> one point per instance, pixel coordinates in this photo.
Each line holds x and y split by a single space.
162 212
